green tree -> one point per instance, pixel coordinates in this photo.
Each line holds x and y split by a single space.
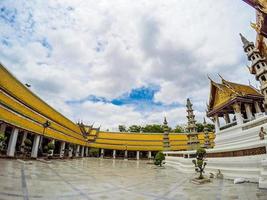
179 129
135 129
122 128
153 128
200 127
211 127
159 158
199 162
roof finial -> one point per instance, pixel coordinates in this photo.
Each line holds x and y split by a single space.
165 121
209 78
244 40
221 77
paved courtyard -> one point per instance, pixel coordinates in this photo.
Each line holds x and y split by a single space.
90 178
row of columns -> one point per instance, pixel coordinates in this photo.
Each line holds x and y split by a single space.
36 144
102 152
238 114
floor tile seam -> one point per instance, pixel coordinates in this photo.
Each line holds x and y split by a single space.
71 185
24 183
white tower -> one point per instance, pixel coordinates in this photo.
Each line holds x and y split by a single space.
258 66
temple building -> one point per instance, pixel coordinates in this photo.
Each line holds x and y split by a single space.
243 102
192 134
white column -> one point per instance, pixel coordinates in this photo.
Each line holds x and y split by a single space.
126 154
257 107
12 142
3 128
62 149
114 153
238 115
52 151
102 153
24 137
77 151
35 146
149 155
86 151
226 118
137 155
248 111
217 123
70 151
82 151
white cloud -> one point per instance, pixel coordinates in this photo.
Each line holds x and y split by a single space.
107 48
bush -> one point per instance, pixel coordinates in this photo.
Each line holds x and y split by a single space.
93 152
50 146
159 158
2 141
28 142
199 162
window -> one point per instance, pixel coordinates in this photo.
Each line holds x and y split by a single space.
263 78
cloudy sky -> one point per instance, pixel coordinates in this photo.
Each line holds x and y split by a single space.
123 61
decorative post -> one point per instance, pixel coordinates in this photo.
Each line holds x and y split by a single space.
192 134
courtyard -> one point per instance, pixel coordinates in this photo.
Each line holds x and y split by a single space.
92 178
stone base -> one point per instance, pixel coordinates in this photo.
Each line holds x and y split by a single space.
200 181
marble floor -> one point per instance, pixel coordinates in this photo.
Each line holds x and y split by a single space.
90 178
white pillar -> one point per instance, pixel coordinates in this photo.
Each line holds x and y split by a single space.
12 142
114 153
248 111
24 137
77 151
35 146
137 155
3 128
226 118
149 155
86 151
217 123
82 151
126 154
238 115
62 149
52 151
257 107
102 153
70 151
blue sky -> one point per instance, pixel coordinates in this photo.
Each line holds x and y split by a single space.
125 62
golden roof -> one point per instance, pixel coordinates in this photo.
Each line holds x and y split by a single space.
222 93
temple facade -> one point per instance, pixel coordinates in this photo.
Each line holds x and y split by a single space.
233 104
23 115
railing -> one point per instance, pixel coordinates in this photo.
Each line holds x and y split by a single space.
228 125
